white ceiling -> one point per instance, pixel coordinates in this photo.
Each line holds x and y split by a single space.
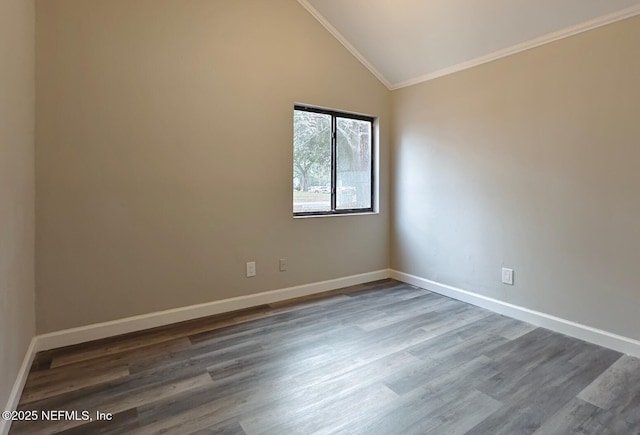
408 41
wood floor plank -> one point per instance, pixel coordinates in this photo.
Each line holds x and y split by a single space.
299 399
428 402
193 418
579 417
457 416
235 382
440 364
617 386
119 423
91 366
115 404
538 395
362 403
67 384
228 427
403 310
99 395
548 362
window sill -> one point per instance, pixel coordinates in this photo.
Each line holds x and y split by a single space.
366 213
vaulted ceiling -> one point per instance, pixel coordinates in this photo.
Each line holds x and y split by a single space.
408 41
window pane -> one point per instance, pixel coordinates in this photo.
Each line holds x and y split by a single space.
353 176
311 162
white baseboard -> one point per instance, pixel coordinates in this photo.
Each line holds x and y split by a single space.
18 385
161 318
557 324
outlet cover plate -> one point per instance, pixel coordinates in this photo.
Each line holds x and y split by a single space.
251 269
507 276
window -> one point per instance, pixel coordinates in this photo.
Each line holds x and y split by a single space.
332 162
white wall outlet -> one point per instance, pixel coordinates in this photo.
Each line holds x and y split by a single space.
507 276
251 269
283 264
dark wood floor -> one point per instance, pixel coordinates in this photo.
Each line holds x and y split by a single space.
382 358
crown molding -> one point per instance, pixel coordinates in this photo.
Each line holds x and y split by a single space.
523 46
305 4
499 54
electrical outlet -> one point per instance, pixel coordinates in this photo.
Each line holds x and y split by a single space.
283 264
251 269
507 276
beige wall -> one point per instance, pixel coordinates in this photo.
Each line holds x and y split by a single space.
17 324
164 154
529 162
